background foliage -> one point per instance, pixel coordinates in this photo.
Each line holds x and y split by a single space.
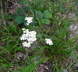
50 21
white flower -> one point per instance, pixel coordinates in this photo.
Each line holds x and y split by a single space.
49 41
28 36
31 40
23 29
23 37
29 20
26 44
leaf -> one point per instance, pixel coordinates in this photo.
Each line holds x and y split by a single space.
29 68
39 14
47 14
19 19
45 21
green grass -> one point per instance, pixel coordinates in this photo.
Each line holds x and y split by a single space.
49 23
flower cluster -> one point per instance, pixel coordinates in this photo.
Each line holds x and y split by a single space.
28 37
29 20
49 41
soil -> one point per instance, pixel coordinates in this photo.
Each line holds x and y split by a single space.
45 67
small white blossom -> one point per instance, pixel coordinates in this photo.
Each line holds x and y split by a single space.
23 37
23 29
29 20
49 41
26 44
